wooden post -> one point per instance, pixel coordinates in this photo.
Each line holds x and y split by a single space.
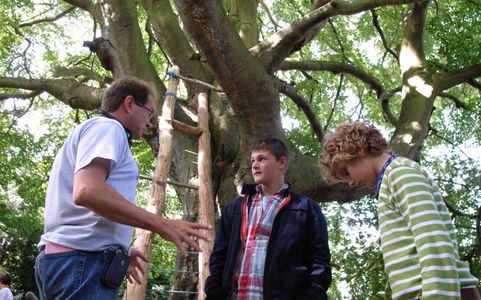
157 193
206 201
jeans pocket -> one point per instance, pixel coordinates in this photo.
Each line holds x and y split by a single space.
62 273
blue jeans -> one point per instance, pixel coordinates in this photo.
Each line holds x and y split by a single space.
72 275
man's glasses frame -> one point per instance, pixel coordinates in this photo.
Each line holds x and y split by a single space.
150 111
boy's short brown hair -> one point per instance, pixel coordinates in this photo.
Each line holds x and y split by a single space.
275 146
348 143
126 86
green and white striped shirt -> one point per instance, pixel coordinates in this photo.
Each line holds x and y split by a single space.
418 240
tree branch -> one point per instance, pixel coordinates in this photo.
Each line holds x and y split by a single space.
456 212
77 72
290 91
471 82
121 48
338 94
452 182
436 133
341 47
51 19
86 5
474 84
457 102
69 91
20 95
464 75
336 67
22 113
280 45
171 39
478 225
29 43
362 272
4 229
386 110
319 3
269 15
375 22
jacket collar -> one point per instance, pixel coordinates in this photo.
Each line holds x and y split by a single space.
251 189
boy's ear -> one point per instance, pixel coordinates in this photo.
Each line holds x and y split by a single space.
284 161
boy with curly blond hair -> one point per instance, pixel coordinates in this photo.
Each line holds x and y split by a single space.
418 239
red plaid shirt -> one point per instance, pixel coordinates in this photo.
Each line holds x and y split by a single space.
256 230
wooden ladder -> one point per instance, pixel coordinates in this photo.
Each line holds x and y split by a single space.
156 205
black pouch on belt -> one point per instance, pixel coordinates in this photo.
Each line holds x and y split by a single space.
115 268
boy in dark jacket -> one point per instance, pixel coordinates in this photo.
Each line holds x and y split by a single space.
271 243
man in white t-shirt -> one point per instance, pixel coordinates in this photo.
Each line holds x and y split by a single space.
5 293
90 206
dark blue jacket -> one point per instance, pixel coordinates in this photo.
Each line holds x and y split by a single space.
298 260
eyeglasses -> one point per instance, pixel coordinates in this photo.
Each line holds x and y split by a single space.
151 112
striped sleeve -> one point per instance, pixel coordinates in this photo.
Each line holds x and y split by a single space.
423 210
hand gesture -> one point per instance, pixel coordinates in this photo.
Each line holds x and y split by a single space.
180 231
136 269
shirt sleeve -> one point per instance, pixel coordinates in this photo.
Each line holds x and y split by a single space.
101 140
415 197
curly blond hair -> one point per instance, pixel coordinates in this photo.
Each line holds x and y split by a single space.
348 143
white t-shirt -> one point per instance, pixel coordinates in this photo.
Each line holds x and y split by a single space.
76 226
6 294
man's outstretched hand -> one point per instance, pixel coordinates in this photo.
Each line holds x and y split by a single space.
180 232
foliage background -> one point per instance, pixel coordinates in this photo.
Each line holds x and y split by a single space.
32 131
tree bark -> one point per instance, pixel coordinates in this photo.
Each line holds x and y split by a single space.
206 200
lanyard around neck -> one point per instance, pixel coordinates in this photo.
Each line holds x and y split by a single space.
108 115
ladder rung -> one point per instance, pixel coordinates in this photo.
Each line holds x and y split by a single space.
186 185
187 129
191 152
173 182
